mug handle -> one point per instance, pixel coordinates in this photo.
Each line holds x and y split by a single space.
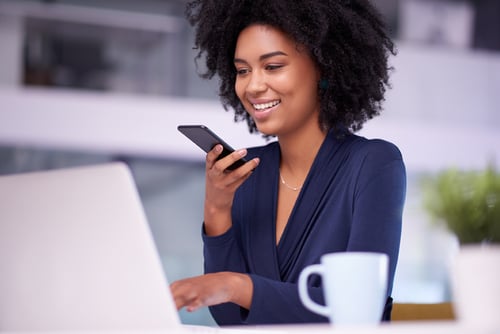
304 293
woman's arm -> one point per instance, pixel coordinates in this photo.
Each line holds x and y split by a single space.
219 287
378 204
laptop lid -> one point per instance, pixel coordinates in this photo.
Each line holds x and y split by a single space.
76 253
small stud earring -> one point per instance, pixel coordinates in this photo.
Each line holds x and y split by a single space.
323 84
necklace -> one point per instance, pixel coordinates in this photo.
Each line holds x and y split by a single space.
289 186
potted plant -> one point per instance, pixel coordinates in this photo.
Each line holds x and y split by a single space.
468 204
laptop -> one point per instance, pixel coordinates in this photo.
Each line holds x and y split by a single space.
76 253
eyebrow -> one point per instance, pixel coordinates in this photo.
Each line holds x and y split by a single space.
263 57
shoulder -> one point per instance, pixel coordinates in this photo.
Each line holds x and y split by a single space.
369 158
376 159
372 150
379 147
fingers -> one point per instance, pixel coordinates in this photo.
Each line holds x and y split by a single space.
200 291
194 305
184 295
220 166
195 292
213 155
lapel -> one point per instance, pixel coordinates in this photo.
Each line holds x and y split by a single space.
261 226
317 187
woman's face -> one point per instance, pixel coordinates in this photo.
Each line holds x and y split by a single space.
276 81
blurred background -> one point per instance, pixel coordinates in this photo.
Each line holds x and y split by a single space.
86 82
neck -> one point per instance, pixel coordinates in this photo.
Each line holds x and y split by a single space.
298 152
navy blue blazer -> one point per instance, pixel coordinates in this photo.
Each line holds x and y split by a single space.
352 200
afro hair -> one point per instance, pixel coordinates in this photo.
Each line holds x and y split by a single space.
347 39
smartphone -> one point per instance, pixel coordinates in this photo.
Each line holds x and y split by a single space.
206 139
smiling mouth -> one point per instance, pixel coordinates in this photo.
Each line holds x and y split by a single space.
264 106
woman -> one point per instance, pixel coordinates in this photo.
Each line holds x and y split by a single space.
309 73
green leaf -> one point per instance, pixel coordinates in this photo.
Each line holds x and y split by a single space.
466 202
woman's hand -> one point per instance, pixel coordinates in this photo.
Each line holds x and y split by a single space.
220 186
212 289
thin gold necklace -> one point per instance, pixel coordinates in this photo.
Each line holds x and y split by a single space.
289 186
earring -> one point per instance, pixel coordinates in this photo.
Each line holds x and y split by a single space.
323 84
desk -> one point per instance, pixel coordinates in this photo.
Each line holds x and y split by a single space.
420 327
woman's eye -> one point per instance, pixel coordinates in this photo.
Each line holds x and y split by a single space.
273 67
241 71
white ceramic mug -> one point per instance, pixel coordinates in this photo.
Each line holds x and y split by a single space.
354 285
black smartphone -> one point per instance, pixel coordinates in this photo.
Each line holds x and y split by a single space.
206 139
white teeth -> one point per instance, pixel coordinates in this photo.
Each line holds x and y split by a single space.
262 106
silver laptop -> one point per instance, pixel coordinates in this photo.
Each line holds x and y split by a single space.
76 253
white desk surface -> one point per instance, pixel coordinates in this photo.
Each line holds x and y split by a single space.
420 327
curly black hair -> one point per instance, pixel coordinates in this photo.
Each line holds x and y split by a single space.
347 39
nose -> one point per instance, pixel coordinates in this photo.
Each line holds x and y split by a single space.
256 83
